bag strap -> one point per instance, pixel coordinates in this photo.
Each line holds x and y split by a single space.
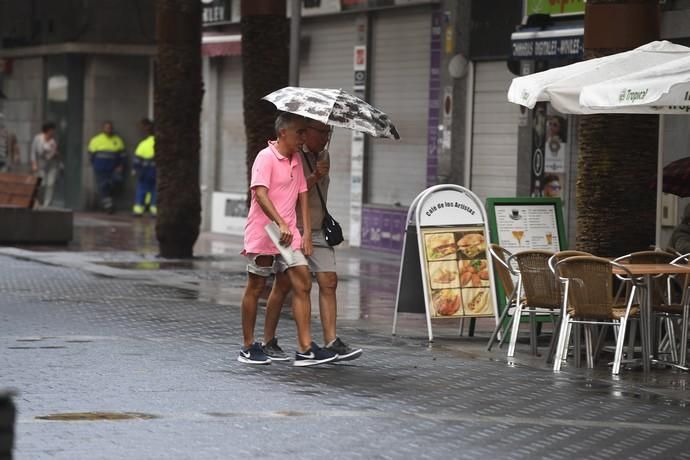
323 202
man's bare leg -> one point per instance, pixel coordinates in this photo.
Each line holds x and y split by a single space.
280 290
300 281
250 300
328 283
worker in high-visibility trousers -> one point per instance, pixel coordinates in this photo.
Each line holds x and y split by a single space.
108 158
145 169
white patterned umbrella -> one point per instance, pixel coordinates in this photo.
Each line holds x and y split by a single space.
334 107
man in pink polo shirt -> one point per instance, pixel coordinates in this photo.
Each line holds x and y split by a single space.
277 184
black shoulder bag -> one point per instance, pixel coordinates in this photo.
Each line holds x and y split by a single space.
331 228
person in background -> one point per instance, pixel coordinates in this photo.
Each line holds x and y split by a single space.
145 170
107 153
9 147
680 238
45 161
316 162
552 186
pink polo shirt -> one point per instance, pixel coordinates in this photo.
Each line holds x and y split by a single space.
284 179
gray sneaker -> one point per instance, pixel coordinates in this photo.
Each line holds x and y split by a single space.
345 353
274 352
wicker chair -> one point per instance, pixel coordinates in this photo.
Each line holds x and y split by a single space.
499 257
588 300
539 288
660 288
560 255
670 311
557 257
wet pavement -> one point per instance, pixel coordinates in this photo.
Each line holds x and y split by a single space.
116 353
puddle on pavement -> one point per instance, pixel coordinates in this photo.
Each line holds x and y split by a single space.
152 265
607 389
96 416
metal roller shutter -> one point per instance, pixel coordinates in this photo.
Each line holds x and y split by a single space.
232 170
396 170
327 63
494 133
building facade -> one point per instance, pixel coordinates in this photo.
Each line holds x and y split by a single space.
77 65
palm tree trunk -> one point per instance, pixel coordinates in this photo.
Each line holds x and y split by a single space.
265 68
618 153
177 108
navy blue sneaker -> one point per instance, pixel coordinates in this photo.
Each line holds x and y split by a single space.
253 354
273 351
313 356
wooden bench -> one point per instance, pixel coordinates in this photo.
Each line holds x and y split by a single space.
18 191
21 223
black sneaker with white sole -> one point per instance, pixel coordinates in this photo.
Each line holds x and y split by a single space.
313 356
253 354
345 353
274 351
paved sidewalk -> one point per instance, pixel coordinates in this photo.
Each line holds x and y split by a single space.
124 332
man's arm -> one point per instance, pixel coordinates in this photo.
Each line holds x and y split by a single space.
270 210
303 200
33 155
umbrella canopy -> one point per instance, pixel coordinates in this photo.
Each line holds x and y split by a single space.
566 87
334 107
562 86
662 89
676 178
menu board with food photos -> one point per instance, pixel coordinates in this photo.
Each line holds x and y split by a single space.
457 271
445 270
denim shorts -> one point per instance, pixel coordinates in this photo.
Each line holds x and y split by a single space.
279 264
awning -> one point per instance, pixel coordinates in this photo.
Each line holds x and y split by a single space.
553 43
221 45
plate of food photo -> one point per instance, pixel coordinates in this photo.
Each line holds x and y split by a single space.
476 302
472 245
444 274
474 273
440 246
446 302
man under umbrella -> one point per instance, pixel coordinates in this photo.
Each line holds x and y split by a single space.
316 165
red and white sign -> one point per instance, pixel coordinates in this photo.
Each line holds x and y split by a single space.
360 62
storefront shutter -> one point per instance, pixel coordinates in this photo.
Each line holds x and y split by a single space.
396 170
232 169
494 133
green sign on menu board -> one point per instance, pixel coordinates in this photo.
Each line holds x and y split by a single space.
554 7
519 224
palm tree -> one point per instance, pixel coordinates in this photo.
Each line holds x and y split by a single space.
265 68
177 109
618 153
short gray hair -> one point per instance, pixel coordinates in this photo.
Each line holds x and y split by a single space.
286 119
